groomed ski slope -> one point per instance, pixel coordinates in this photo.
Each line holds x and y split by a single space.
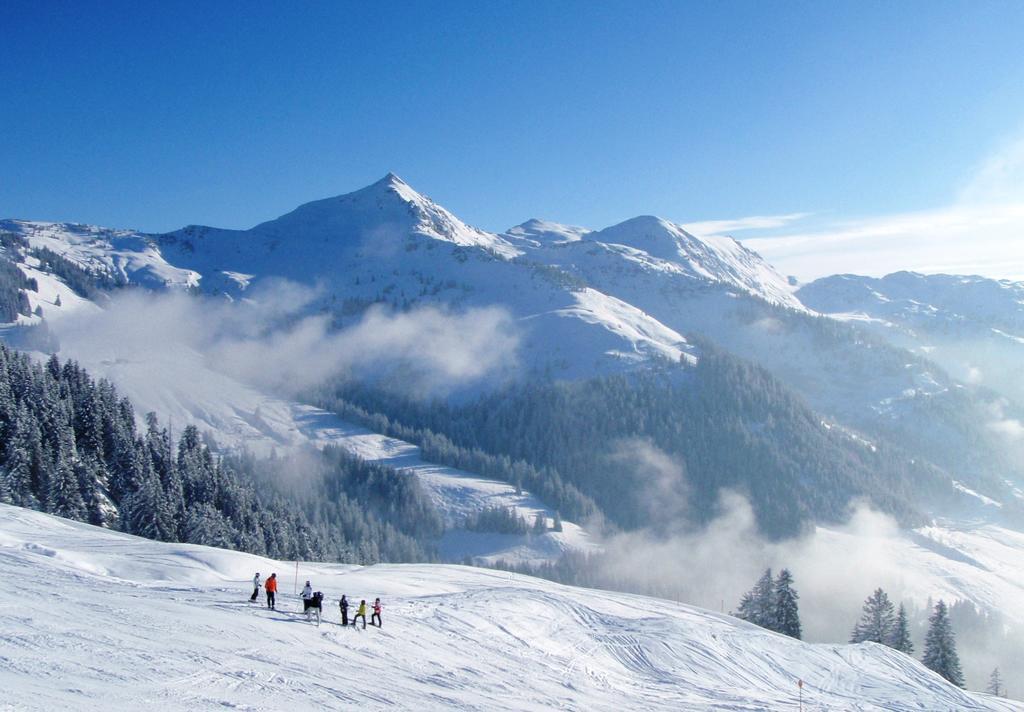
93 619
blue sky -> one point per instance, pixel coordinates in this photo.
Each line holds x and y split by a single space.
156 115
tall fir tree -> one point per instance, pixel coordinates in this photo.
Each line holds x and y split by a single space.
5 486
758 604
64 497
21 448
877 620
764 600
787 613
995 684
900 639
940 646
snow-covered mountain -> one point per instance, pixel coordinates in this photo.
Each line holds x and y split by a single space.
972 326
583 303
93 618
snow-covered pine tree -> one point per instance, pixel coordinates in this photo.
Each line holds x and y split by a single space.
758 604
877 620
64 497
764 601
745 611
5 486
787 613
995 684
940 646
900 639
22 445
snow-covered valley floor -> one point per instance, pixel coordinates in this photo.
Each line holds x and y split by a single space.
93 619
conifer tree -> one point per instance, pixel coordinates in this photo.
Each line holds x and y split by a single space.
787 614
18 456
764 600
877 620
900 639
64 498
995 684
758 604
5 486
940 646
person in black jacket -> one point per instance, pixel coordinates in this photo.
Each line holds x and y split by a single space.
344 609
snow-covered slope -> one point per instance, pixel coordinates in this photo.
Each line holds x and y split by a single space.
535 232
126 255
720 260
93 619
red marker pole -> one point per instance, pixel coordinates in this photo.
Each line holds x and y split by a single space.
800 684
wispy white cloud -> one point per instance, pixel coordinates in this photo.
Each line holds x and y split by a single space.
754 222
960 239
981 231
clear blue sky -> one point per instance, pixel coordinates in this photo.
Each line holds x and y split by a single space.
154 115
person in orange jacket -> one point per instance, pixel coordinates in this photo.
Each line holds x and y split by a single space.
271 588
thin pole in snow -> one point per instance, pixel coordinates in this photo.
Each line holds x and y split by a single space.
295 587
800 684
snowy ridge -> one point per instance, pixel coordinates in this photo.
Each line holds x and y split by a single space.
133 257
535 232
714 259
972 326
389 201
119 622
387 242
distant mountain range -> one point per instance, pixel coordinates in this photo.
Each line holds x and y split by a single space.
926 364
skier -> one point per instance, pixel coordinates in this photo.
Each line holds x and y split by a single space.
255 587
361 613
271 588
307 592
376 613
344 609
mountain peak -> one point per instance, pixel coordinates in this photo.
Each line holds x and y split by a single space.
537 232
713 259
390 180
390 203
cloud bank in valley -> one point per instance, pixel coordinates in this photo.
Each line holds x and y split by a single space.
836 567
276 342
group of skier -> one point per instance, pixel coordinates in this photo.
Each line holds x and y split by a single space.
360 612
311 599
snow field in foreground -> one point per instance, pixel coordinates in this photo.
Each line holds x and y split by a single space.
93 619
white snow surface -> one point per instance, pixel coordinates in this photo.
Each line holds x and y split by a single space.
93 619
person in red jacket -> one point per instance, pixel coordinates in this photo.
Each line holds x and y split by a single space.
376 613
271 588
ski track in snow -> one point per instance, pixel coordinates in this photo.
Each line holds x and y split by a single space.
93 619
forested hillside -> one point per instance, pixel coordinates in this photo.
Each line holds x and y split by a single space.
71 448
727 423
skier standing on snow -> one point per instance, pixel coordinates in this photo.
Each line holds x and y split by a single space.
361 613
255 587
271 588
344 609
307 592
376 613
